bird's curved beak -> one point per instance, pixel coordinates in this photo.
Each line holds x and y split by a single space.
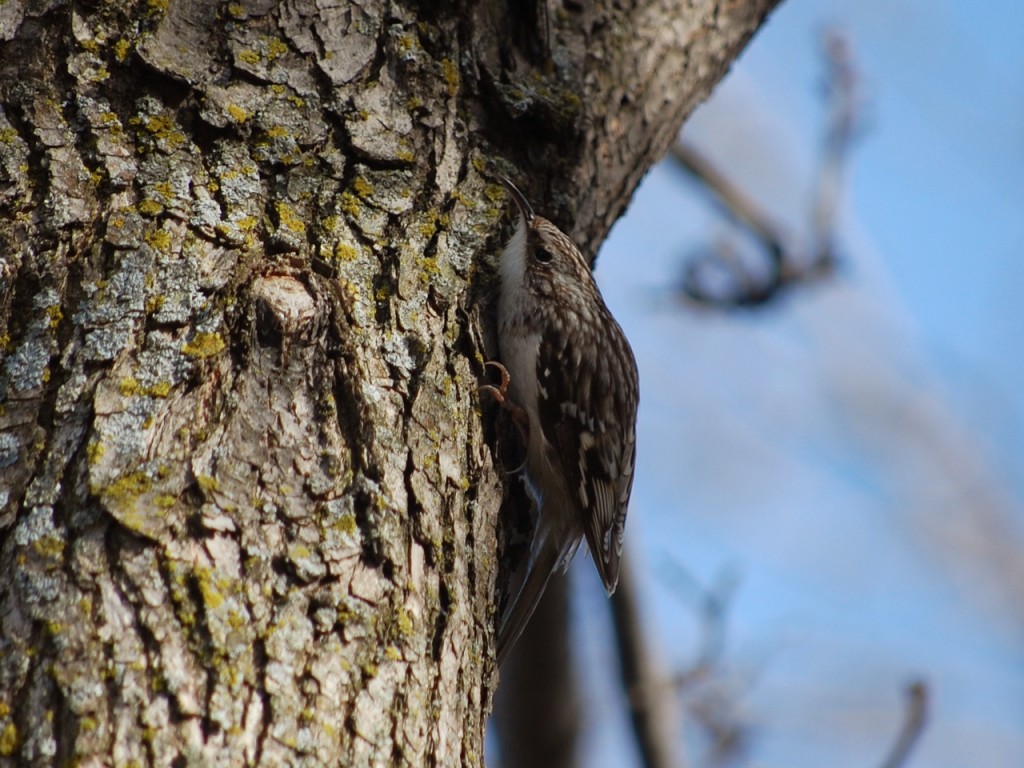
519 199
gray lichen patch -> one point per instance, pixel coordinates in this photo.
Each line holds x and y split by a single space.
367 219
10 449
304 557
157 128
113 149
138 415
109 340
14 156
121 295
266 57
112 310
378 125
70 195
232 105
205 210
240 190
166 181
25 368
402 352
286 126
390 191
161 367
173 295
475 210
123 227
37 531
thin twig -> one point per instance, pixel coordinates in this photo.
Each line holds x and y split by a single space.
652 704
710 689
713 604
842 89
913 725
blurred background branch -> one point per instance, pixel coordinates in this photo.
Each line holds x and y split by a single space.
913 725
654 713
720 276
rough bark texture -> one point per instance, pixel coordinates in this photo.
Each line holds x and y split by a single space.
248 505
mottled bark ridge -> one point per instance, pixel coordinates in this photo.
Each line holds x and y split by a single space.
248 499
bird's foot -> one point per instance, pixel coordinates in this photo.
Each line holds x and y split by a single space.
500 395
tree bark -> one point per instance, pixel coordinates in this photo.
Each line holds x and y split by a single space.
248 498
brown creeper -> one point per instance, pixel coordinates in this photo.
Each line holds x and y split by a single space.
573 374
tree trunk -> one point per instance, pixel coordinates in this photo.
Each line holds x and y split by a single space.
248 498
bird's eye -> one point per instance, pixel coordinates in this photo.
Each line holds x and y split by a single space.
543 255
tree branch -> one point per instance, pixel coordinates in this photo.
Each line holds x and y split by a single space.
652 703
785 266
913 725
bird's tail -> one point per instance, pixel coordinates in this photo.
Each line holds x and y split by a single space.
548 552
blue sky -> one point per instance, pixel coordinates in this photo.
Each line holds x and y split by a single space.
853 453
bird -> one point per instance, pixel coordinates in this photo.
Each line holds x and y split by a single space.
570 378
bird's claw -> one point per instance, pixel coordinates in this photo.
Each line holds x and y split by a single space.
499 392
500 395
